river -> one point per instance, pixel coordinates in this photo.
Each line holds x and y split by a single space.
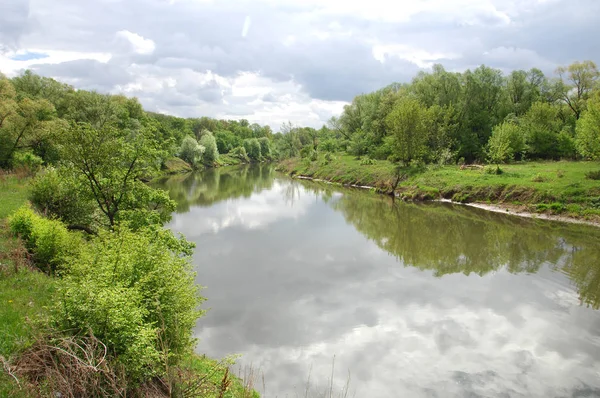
305 280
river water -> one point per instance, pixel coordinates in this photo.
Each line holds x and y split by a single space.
306 280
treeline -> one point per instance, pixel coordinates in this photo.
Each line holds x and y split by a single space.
37 113
475 116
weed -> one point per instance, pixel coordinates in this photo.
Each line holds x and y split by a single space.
593 175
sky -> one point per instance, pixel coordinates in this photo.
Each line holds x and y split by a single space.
272 61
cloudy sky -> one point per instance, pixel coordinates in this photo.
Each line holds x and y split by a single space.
270 61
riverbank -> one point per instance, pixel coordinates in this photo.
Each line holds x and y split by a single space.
26 294
552 190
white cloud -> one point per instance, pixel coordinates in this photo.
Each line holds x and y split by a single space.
11 67
140 44
420 57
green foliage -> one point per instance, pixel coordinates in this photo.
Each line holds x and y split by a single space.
588 131
240 153
505 143
108 165
407 124
136 291
48 241
190 151
495 170
211 152
227 141
593 175
28 160
253 149
59 196
366 161
265 148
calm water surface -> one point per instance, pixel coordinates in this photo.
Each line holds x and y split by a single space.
413 300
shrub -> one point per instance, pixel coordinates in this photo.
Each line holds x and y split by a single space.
211 153
593 175
314 156
495 170
190 151
27 160
239 153
366 161
58 196
136 291
48 241
252 147
265 148
306 152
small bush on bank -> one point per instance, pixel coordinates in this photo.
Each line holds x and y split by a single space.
593 175
57 196
240 153
48 241
539 178
136 291
366 161
494 170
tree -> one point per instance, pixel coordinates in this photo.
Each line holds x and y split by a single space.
587 139
541 126
23 123
575 84
109 163
406 124
190 151
252 147
265 147
506 143
211 153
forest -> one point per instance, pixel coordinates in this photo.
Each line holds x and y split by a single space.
480 115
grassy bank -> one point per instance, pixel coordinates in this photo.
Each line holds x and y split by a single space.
541 187
26 295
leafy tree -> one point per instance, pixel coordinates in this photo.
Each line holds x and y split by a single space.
226 141
190 151
109 163
588 131
23 123
211 153
407 125
265 147
506 143
575 84
541 127
253 149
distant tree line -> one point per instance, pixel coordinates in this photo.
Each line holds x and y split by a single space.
37 114
475 116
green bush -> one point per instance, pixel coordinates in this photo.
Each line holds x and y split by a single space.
28 160
48 241
240 153
495 170
539 178
136 292
21 223
593 175
366 161
57 196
